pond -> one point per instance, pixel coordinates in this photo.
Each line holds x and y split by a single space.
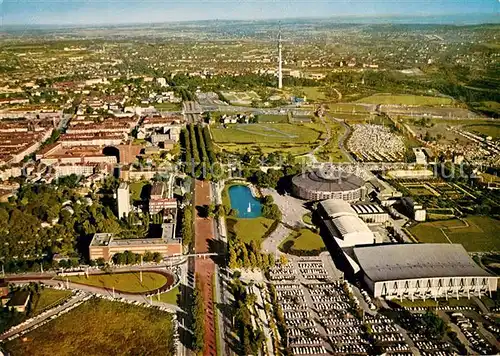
244 202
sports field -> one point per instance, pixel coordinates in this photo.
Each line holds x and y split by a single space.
302 241
405 100
265 133
124 282
272 118
100 328
476 233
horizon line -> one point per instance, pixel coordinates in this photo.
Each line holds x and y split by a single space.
291 18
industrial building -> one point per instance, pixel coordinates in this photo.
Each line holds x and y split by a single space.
422 271
343 224
328 183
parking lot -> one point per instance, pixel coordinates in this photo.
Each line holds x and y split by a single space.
323 315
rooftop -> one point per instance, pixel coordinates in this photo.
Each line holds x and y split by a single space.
410 261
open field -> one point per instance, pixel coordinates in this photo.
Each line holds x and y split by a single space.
265 133
492 129
124 282
303 241
405 100
272 118
482 234
247 230
99 327
47 298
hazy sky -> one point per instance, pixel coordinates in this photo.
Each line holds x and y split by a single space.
130 11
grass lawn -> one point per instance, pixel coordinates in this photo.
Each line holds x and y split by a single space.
100 327
47 298
170 296
125 282
272 118
168 106
307 218
265 133
492 130
303 240
256 148
136 189
482 234
405 100
247 230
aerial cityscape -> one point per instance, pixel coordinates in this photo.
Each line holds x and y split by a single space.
250 178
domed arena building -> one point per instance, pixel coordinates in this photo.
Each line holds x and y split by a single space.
329 182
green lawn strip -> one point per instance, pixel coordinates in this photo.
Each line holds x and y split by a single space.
125 282
170 297
100 328
49 297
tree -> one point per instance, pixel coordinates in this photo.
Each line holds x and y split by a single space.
148 256
283 260
157 257
198 313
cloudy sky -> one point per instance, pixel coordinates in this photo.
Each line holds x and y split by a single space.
64 12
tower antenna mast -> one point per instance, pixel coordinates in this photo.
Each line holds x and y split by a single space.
280 60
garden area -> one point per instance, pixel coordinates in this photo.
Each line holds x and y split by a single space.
100 327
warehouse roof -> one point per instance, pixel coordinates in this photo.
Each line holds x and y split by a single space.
410 261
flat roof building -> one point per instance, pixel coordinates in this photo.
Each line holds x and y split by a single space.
343 224
104 245
422 271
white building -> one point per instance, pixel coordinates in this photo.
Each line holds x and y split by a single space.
344 225
423 271
123 197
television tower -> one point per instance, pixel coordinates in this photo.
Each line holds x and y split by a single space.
280 60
